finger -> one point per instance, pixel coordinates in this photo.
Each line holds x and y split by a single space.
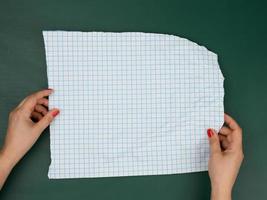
221 137
46 120
225 144
231 122
41 109
43 101
236 137
225 131
214 142
224 138
36 116
31 101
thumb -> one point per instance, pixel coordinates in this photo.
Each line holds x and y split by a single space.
214 141
46 120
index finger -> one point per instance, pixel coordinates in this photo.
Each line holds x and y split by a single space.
31 100
231 122
236 136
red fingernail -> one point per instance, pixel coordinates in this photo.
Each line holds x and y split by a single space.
210 133
55 113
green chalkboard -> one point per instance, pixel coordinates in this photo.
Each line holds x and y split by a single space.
234 29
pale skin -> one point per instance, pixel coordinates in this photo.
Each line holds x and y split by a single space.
226 156
31 117
22 131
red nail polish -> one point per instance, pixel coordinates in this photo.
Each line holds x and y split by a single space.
55 113
210 133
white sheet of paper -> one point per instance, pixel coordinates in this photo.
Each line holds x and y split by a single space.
131 103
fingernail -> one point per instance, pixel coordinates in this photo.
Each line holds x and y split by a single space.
210 133
55 113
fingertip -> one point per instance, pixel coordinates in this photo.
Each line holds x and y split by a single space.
230 122
210 132
48 91
55 112
41 94
47 119
213 141
226 117
51 90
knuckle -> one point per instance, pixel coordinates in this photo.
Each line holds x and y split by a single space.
49 118
213 140
15 114
19 112
34 96
213 143
11 114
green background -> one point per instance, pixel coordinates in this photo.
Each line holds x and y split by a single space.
235 30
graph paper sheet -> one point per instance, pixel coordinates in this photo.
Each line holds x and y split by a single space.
131 103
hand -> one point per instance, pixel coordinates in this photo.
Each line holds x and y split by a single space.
26 123
226 156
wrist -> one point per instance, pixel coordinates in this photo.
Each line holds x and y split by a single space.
6 167
6 162
221 193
